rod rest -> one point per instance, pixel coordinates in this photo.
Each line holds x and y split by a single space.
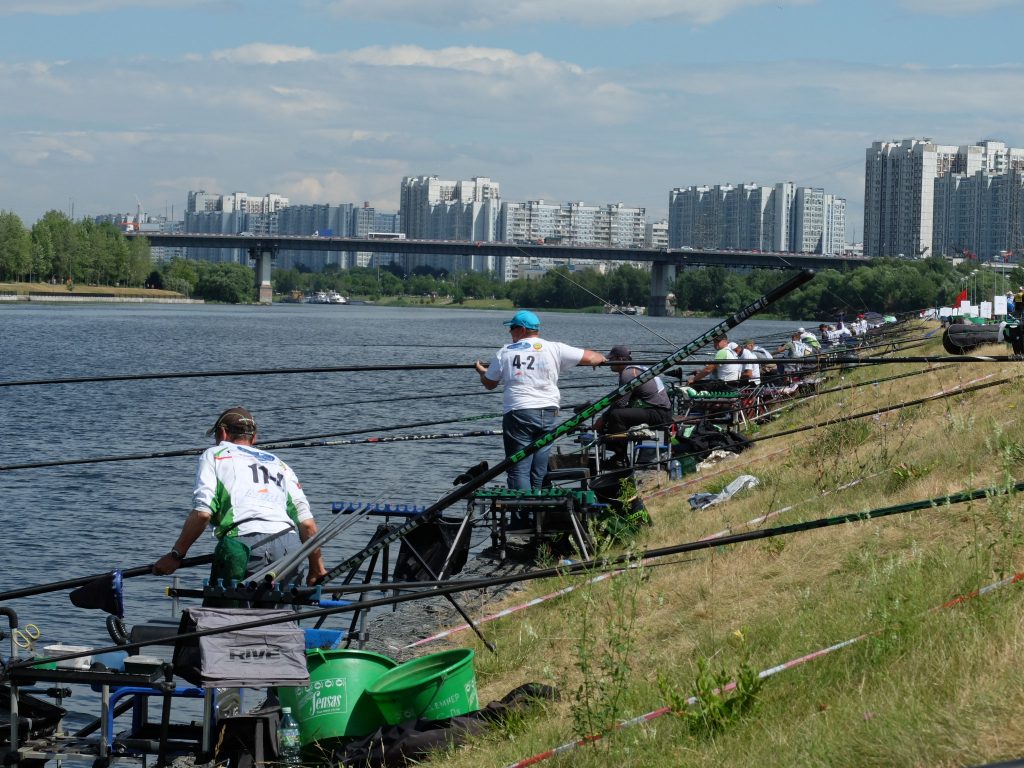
501 493
250 592
378 509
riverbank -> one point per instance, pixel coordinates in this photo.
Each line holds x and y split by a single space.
52 293
864 657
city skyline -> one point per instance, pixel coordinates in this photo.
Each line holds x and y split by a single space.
110 104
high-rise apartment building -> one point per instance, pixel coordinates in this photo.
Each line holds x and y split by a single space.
899 192
754 217
572 223
656 234
435 209
923 198
231 215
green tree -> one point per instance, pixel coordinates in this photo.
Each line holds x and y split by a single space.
59 230
140 260
42 252
230 283
181 275
15 247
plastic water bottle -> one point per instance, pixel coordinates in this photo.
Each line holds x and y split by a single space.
288 739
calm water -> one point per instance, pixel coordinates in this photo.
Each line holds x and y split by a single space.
63 523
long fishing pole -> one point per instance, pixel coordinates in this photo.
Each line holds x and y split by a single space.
197 451
239 372
392 439
80 581
383 367
792 400
404 398
570 424
884 409
451 587
839 420
864 361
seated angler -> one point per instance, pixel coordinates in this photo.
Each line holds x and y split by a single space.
724 376
647 404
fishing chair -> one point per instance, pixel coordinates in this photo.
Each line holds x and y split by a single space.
555 514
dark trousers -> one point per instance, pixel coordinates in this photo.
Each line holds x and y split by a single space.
621 419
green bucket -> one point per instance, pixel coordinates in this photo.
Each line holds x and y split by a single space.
432 687
335 705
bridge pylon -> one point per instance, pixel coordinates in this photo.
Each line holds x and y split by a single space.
264 258
663 277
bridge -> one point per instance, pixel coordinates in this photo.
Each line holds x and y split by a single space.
664 261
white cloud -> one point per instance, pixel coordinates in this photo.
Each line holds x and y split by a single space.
265 53
81 7
482 61
958 7
474 14
36 149
345 126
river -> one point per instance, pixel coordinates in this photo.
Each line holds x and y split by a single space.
67 522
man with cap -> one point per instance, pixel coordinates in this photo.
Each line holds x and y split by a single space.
728 374
795 348
647 404
528 368
750 373
809 339
247 493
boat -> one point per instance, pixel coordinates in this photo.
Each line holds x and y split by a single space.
333 297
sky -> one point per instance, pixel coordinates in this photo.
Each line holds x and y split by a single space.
115 105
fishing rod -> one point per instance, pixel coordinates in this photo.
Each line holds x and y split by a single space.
383 367
838 420
393 439
452 587
196 451
798 398
570 424
789 401
858 361
884 409
81 581
404 398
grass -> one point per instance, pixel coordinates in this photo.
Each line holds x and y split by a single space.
22 289
924 687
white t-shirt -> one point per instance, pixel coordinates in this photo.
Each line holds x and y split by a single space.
754 368
529 370
240 483
727 372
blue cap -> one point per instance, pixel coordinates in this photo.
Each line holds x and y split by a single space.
524 318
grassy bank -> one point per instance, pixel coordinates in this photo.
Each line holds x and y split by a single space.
922 686
23 289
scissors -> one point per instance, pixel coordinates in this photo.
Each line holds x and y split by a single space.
26 638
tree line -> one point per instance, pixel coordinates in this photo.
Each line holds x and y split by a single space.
885 285
57 249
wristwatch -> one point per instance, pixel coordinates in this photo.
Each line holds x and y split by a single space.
177 555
